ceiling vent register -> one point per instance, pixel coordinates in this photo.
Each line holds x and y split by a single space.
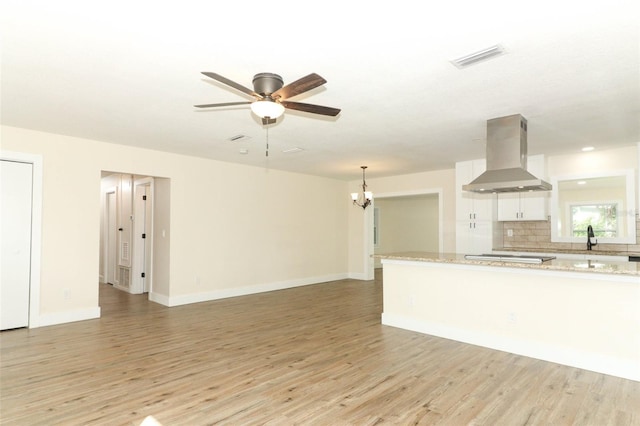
480 56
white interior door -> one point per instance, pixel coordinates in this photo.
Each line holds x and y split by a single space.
149 238
143 214
16 186
112 238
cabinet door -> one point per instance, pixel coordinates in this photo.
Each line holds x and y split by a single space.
525 205
482 206
464 199
482 241
509 206
471 206
533 205
464 237
482 203
474 237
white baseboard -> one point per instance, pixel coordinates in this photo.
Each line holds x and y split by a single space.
357 276
186 299
159 298
546 352
80 315
65 317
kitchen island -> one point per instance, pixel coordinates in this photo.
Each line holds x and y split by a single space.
580 313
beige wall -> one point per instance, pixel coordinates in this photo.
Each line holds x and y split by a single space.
416 183
231 229
408 224
237 228
161 243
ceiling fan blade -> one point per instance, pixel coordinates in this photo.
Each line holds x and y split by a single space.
315 109
231 83
223 104
302 85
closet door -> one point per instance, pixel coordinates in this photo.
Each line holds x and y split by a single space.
15 217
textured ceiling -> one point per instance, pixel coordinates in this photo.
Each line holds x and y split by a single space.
129 73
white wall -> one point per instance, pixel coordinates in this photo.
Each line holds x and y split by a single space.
579 319
234 229
593 161
596 162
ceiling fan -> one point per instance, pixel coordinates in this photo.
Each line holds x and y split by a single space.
271 97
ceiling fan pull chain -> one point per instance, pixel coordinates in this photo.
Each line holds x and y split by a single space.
266 153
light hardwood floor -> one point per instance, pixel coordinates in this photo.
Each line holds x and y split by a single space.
314 355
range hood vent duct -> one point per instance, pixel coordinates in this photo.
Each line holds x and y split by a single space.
507 159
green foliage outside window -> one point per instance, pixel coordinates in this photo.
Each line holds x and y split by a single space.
602 217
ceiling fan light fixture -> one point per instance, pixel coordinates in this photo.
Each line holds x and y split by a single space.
267 108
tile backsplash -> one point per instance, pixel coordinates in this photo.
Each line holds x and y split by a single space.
537 235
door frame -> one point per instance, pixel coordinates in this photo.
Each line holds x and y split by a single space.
368 223
36 230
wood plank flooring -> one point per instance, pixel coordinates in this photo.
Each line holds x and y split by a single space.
314 355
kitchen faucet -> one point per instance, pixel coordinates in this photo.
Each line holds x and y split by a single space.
590 234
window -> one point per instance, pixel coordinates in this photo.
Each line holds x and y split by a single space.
604 200
603 217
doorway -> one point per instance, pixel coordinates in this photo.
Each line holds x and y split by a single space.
406 221
127 232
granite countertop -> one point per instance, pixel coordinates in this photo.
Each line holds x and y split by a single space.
594 252
585 266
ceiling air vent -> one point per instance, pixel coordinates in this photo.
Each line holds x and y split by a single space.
482 55
238 138
292 150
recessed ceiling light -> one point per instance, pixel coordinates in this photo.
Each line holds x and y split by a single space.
582 182
479 56
587 149
244 151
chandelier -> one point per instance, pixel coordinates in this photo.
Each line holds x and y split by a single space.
364 199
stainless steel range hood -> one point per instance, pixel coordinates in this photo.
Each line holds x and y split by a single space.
507 159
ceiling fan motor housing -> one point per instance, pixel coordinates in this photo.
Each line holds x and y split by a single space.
266 83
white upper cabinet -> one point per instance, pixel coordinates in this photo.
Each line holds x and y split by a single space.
474 212
471 206
520 206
